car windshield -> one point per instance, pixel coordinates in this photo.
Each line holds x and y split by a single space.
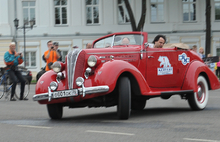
117 40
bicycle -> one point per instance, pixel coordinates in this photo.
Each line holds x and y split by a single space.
6 90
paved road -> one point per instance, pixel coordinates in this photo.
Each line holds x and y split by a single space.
161 121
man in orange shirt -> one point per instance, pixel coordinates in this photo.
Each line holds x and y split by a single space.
51 55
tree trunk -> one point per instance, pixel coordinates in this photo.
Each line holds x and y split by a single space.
143 15
208 28
132 20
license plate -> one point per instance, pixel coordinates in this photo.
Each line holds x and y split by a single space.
66 93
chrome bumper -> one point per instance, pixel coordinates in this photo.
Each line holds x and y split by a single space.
87 90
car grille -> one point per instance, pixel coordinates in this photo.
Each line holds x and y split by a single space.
75 66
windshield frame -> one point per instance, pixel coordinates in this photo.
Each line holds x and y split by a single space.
114 39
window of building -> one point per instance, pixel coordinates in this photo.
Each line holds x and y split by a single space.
157 10
28 11
30 59
60 12
92 11
123 16
217 9
189 10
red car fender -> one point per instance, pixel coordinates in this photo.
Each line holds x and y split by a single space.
194 70
44 82
109 72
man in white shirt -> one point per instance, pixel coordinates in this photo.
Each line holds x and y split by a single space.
159 41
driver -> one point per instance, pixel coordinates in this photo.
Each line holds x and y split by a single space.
159 41
125 41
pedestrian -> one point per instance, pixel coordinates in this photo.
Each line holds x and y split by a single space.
56 46
194 48
51 55
218 69
211 65
201 53
12 59
88 46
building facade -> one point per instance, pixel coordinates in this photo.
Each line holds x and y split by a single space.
77 22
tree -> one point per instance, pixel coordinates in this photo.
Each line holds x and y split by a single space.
208 27
131 15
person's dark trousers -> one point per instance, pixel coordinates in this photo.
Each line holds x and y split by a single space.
15 76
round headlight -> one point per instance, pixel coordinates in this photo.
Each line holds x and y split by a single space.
53 85
56 67
79 81
92 61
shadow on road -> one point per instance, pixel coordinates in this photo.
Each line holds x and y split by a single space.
147 112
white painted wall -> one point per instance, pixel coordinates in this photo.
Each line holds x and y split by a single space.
76 32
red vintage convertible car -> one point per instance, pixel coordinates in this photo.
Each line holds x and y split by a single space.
124 75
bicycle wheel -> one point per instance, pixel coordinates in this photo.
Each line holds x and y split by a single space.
8 92
2 87
26 89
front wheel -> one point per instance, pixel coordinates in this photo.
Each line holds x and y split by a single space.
55 111
199 99
124 98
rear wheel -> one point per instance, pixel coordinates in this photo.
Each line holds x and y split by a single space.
199 99
124 99
26 89
55 111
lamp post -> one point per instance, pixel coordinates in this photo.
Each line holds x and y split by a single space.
24 27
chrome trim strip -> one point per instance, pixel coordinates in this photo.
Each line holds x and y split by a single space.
113 52
162 51
102 57
49 94
68 65
88 90
96 89
112 44
71 66
144 51
43 96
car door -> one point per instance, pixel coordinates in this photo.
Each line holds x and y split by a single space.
164 69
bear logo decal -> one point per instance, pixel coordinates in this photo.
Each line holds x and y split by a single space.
166 66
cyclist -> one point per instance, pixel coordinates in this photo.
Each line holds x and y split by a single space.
12 59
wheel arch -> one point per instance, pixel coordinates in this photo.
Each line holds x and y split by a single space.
135 88
120 68
44 81
207 79
195 69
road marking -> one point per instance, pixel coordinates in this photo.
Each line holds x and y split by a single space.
29 126
121 121
200 140
113 133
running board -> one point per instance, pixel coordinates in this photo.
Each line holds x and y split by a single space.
169 93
